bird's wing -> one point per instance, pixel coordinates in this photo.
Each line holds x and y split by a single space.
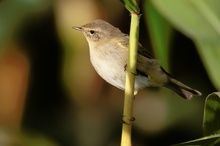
144 52
147 65
124 43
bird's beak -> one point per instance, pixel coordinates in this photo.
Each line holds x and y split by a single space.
77 28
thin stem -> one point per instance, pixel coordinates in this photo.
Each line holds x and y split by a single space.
130 79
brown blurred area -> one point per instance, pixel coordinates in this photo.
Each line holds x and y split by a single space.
50 94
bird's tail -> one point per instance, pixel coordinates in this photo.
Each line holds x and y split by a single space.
181 89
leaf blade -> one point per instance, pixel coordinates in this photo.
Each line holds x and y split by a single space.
131 6
160 33
212 114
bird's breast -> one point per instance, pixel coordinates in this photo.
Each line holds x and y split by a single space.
109 66
110 63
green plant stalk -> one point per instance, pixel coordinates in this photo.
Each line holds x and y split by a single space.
130 80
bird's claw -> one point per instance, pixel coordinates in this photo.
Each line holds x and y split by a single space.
125 69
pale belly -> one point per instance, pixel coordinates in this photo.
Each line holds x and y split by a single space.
114 73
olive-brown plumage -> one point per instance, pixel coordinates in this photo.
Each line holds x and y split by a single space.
108 55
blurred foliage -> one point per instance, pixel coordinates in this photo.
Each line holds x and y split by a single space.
211 120
212 114
198 20
205 141
14 13
160 31
73 112
12 138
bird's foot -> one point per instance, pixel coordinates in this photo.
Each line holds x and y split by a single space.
125 69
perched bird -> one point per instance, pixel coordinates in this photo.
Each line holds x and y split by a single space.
109 53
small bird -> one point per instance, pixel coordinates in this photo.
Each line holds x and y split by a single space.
109 53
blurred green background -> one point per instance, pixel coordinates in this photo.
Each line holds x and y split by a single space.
51 95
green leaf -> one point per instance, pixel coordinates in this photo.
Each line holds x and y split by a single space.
199 20
160 32
14 13
213 140
211 125
211 120
210 54
131 6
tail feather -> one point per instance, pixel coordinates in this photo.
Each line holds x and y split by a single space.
181 89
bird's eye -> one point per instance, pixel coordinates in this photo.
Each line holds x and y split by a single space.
92 31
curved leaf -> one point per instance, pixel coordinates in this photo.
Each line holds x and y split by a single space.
205 141
212 114
199 20
160 32
195 18
131 6
210 54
